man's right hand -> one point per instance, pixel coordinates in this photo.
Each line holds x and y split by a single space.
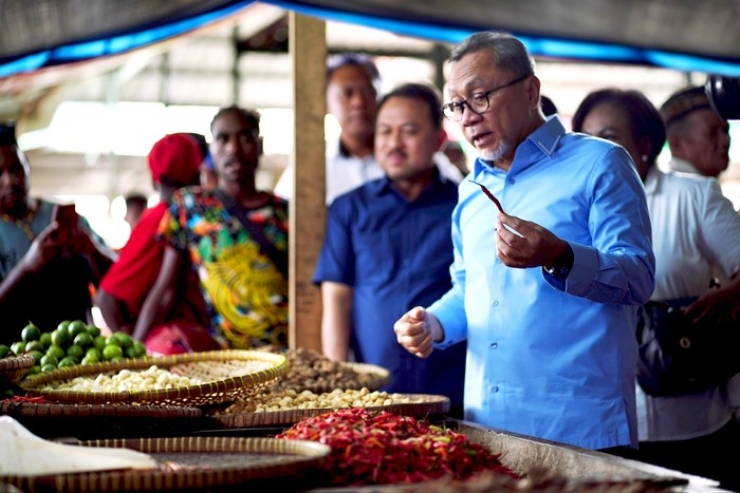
44 248
417 331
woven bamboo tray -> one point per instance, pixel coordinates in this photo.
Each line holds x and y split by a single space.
371 376
96 421
51 410
226 373
311 370
421 405
188 463
14 368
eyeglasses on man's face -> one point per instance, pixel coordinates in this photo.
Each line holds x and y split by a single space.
478 103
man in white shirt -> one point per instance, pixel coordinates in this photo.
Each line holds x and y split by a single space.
699 138
352 84
700 141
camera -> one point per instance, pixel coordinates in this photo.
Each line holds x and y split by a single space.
724 95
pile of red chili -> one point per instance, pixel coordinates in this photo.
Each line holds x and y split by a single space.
384 448
20 398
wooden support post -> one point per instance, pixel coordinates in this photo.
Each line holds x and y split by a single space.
307 209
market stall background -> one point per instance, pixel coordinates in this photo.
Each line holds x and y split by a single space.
679 34
56 55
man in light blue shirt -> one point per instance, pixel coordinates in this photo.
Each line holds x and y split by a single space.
545 292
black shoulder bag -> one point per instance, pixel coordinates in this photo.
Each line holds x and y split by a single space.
279 258
679 357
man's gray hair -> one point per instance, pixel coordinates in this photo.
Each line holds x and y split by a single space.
509 53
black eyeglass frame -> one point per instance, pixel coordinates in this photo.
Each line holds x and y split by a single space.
448 110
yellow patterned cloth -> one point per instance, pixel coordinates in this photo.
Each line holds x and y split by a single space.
246 293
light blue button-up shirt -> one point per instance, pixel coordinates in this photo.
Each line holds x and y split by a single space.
546 358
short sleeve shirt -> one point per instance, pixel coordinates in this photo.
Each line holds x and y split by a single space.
131 277
395 255
246 294
60 291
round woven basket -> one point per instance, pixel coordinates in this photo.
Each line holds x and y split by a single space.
371 376
420 406
228 375
53 410
311 370
187 463
14 368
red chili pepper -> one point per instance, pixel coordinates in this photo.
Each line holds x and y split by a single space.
382 448
489 195
21 398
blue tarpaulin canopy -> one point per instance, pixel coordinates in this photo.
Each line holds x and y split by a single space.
679 34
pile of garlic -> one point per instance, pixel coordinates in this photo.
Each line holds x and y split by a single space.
125 380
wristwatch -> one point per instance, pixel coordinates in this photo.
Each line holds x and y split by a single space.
562 264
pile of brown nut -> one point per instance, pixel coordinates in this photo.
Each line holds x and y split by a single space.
311 370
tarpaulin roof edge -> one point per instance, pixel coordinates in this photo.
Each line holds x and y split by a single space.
537 45
117 44
545 46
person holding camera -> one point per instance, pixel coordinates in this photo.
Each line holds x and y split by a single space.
49 256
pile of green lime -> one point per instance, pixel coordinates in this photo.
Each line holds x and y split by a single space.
73 342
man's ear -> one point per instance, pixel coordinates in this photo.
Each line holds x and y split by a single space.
260 145
675 143
533 91
441 139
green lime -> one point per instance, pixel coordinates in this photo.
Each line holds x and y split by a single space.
4 351
76 327
100 342
34 370
45 339
139 349
67 362
88 360
123 339
94 352
112 351
76 351
93 330
84 339
34 346
64 325
48 359
48 368
116 359
37 355
56 351
18 347
60 337
30 333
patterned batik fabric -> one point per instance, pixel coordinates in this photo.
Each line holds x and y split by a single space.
246 294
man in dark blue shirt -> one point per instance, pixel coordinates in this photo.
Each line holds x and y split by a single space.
388 248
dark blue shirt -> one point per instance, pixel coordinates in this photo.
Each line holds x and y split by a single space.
395 255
